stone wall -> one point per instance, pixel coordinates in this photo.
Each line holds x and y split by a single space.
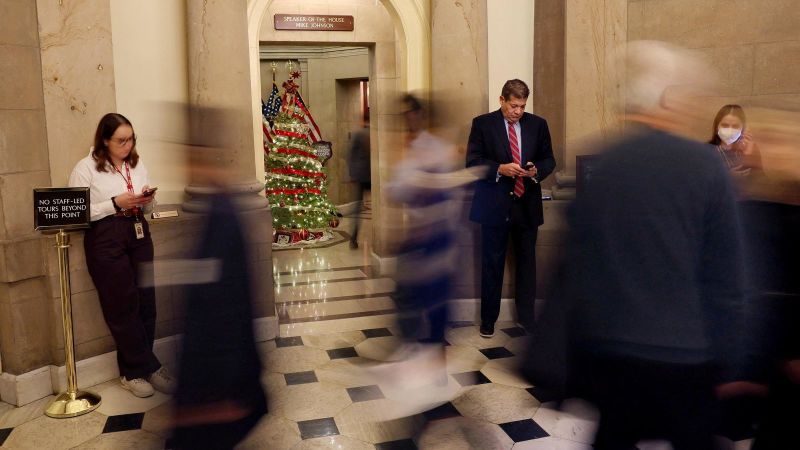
25 332
755 46
57 67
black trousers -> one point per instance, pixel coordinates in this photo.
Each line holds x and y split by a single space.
494 241
216 436
114 257
640 399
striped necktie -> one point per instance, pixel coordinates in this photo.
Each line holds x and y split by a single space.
519 185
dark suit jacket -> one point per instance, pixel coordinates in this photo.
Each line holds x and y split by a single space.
656 266
488 145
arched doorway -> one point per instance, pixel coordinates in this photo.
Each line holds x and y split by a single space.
400 62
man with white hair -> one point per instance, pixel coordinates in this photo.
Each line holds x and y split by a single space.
656 272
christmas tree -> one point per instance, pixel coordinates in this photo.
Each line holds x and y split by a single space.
297 182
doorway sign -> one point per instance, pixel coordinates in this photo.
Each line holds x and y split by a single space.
313 22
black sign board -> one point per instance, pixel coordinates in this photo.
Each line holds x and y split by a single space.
60 208
585 167
324 150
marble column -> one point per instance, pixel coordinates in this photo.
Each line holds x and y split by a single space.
595 34
459 85
222 116
548 72
27 330
219 80
26 321
459 69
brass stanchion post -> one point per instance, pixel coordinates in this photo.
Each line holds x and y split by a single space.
72 402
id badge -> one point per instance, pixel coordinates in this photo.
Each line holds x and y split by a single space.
139 230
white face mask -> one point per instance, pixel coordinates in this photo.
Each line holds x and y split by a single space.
729 135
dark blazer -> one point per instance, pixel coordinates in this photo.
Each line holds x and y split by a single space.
488 146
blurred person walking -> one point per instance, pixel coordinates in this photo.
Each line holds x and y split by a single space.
427 187
655 270
358 162
219 398
516 148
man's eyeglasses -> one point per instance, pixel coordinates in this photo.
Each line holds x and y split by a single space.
124 142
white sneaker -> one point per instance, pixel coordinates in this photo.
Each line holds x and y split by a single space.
163 381
138 386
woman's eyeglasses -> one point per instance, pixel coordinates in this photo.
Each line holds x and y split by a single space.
124 142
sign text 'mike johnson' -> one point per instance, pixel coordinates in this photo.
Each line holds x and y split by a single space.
313 22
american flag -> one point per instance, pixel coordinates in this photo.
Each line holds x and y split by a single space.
273 105
269 110
267 133
314 134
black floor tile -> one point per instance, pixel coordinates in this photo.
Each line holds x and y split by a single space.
445 411
365 393
123 422
404 444
471 378
544 395
496 352
339 353
376 332
523 430
4 433
300 378
289 341
514 332
317 428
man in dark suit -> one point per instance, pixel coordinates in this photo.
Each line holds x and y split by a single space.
516 147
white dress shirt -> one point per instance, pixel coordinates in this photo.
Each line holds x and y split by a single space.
104 185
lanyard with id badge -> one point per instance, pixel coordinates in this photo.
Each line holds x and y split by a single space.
138 227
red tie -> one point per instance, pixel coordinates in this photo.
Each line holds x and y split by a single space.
519 185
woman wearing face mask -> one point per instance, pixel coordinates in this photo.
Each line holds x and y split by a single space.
734 143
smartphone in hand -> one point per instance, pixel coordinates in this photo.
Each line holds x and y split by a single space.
149 192
528 166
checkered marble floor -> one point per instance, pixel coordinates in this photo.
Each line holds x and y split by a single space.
321 397
336 319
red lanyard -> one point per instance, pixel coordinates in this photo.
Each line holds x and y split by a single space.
128 182
127 179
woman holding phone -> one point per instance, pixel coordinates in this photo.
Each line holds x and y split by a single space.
117 246
733 141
